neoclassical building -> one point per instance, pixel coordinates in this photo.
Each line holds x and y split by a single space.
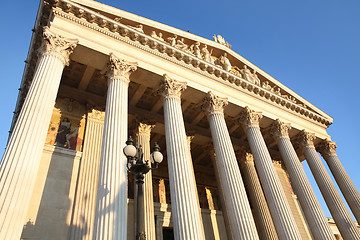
232 136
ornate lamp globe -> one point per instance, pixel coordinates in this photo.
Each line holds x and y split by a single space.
130 150
156 155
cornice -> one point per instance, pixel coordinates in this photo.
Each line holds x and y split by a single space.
116 30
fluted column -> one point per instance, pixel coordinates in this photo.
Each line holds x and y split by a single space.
111 201
279 208
315 217
347 187
84 208
143 140
189 138
242 225
262 216
186 214
21 160
341 215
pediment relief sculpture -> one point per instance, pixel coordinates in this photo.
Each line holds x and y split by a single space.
246 78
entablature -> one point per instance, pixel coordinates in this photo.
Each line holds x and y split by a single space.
262 91
260 85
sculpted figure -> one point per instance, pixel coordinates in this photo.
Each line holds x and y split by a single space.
215 38
277 91
195 49
237 71
172 40
292 99
221 40
266 85
247 74
181 45
138 28
255 78
160 37
207 55
153 34
225 62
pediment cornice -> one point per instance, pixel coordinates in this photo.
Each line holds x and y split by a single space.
247 78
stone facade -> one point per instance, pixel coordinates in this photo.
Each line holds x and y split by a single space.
97 75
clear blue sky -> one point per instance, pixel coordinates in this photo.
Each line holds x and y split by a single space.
310 46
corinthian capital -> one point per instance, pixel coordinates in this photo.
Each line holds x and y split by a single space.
306 139
144 128
57 46
214 104
327 148
280 129
171 88
119 68
250 118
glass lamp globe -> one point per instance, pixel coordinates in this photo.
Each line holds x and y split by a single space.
156 157
130 150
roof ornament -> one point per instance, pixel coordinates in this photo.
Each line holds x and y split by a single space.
221 40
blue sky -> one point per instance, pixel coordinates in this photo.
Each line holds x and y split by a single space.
310 46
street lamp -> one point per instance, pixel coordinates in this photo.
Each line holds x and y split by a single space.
139 167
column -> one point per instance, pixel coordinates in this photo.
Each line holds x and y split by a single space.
189 138
22 156
143 140
241 222
186 214
84 208
347 187
262 216
342 217
314 215
111 201
279 208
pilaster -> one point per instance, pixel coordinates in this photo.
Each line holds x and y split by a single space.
84 208
143 139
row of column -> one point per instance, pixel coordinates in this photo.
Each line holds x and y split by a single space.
20 163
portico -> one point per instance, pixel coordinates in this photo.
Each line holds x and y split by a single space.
122 70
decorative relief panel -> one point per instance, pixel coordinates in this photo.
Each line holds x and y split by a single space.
67 125
187 52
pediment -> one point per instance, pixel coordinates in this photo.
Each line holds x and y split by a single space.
214 57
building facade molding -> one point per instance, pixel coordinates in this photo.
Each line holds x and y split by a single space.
129 35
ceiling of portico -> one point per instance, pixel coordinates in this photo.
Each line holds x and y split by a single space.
237 61
86 84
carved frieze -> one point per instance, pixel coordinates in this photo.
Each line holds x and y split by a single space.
57 46
67 124
187 56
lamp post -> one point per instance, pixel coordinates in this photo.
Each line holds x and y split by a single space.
139 167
